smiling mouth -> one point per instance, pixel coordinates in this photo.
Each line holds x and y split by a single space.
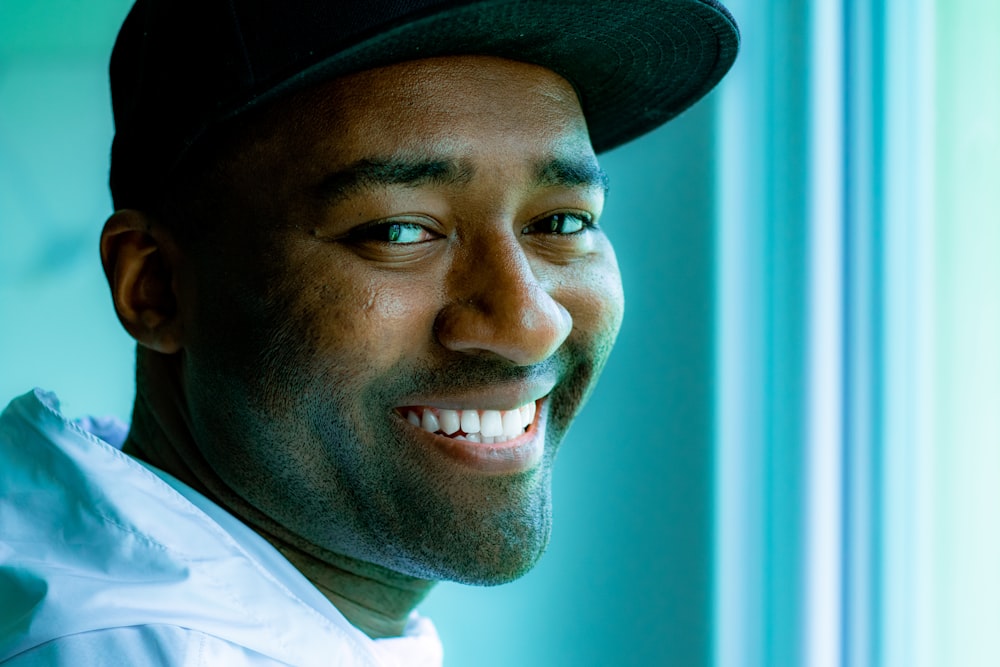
482 426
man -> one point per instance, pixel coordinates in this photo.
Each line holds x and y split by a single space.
359 248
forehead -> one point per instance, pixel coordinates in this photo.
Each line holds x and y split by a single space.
474 106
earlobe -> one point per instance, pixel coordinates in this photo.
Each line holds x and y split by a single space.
139 259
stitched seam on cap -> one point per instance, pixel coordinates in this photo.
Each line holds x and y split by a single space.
251 76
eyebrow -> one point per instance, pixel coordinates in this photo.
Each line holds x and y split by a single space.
372 173
572 173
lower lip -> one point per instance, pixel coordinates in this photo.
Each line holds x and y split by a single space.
503 458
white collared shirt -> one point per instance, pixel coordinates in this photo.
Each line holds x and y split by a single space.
107 561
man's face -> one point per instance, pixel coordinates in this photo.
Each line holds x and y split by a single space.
404 252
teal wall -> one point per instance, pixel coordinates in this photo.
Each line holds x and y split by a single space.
627 579
57 328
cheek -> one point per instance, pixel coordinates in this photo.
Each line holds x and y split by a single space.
357 324
594 297
300 312
592 293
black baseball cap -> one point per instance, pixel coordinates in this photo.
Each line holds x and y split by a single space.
182 68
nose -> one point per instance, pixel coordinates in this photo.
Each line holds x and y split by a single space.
498 306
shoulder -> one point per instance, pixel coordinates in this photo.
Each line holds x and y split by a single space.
161 645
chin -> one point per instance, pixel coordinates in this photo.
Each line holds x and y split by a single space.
484 554
502 568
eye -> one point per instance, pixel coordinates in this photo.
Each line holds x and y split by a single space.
563 224
393 233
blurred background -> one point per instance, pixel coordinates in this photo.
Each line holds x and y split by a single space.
794 455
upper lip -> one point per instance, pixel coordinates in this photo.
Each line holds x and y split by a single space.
501 396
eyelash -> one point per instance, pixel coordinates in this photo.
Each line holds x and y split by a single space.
386 230
389 231
586 223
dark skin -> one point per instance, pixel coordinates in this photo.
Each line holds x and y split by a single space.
422 235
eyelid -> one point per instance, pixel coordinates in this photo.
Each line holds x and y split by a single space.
357 233
589 220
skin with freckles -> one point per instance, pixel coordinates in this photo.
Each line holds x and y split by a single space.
425 234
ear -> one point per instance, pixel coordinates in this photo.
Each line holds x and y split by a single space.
140 258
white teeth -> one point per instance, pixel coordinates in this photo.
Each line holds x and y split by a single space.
491 424
512 423
486 426
430 422
470 421
527 414
449 420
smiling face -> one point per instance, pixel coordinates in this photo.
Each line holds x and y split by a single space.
402 305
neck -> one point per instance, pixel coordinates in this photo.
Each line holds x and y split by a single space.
375 599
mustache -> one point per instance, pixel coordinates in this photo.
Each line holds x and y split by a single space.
472 371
